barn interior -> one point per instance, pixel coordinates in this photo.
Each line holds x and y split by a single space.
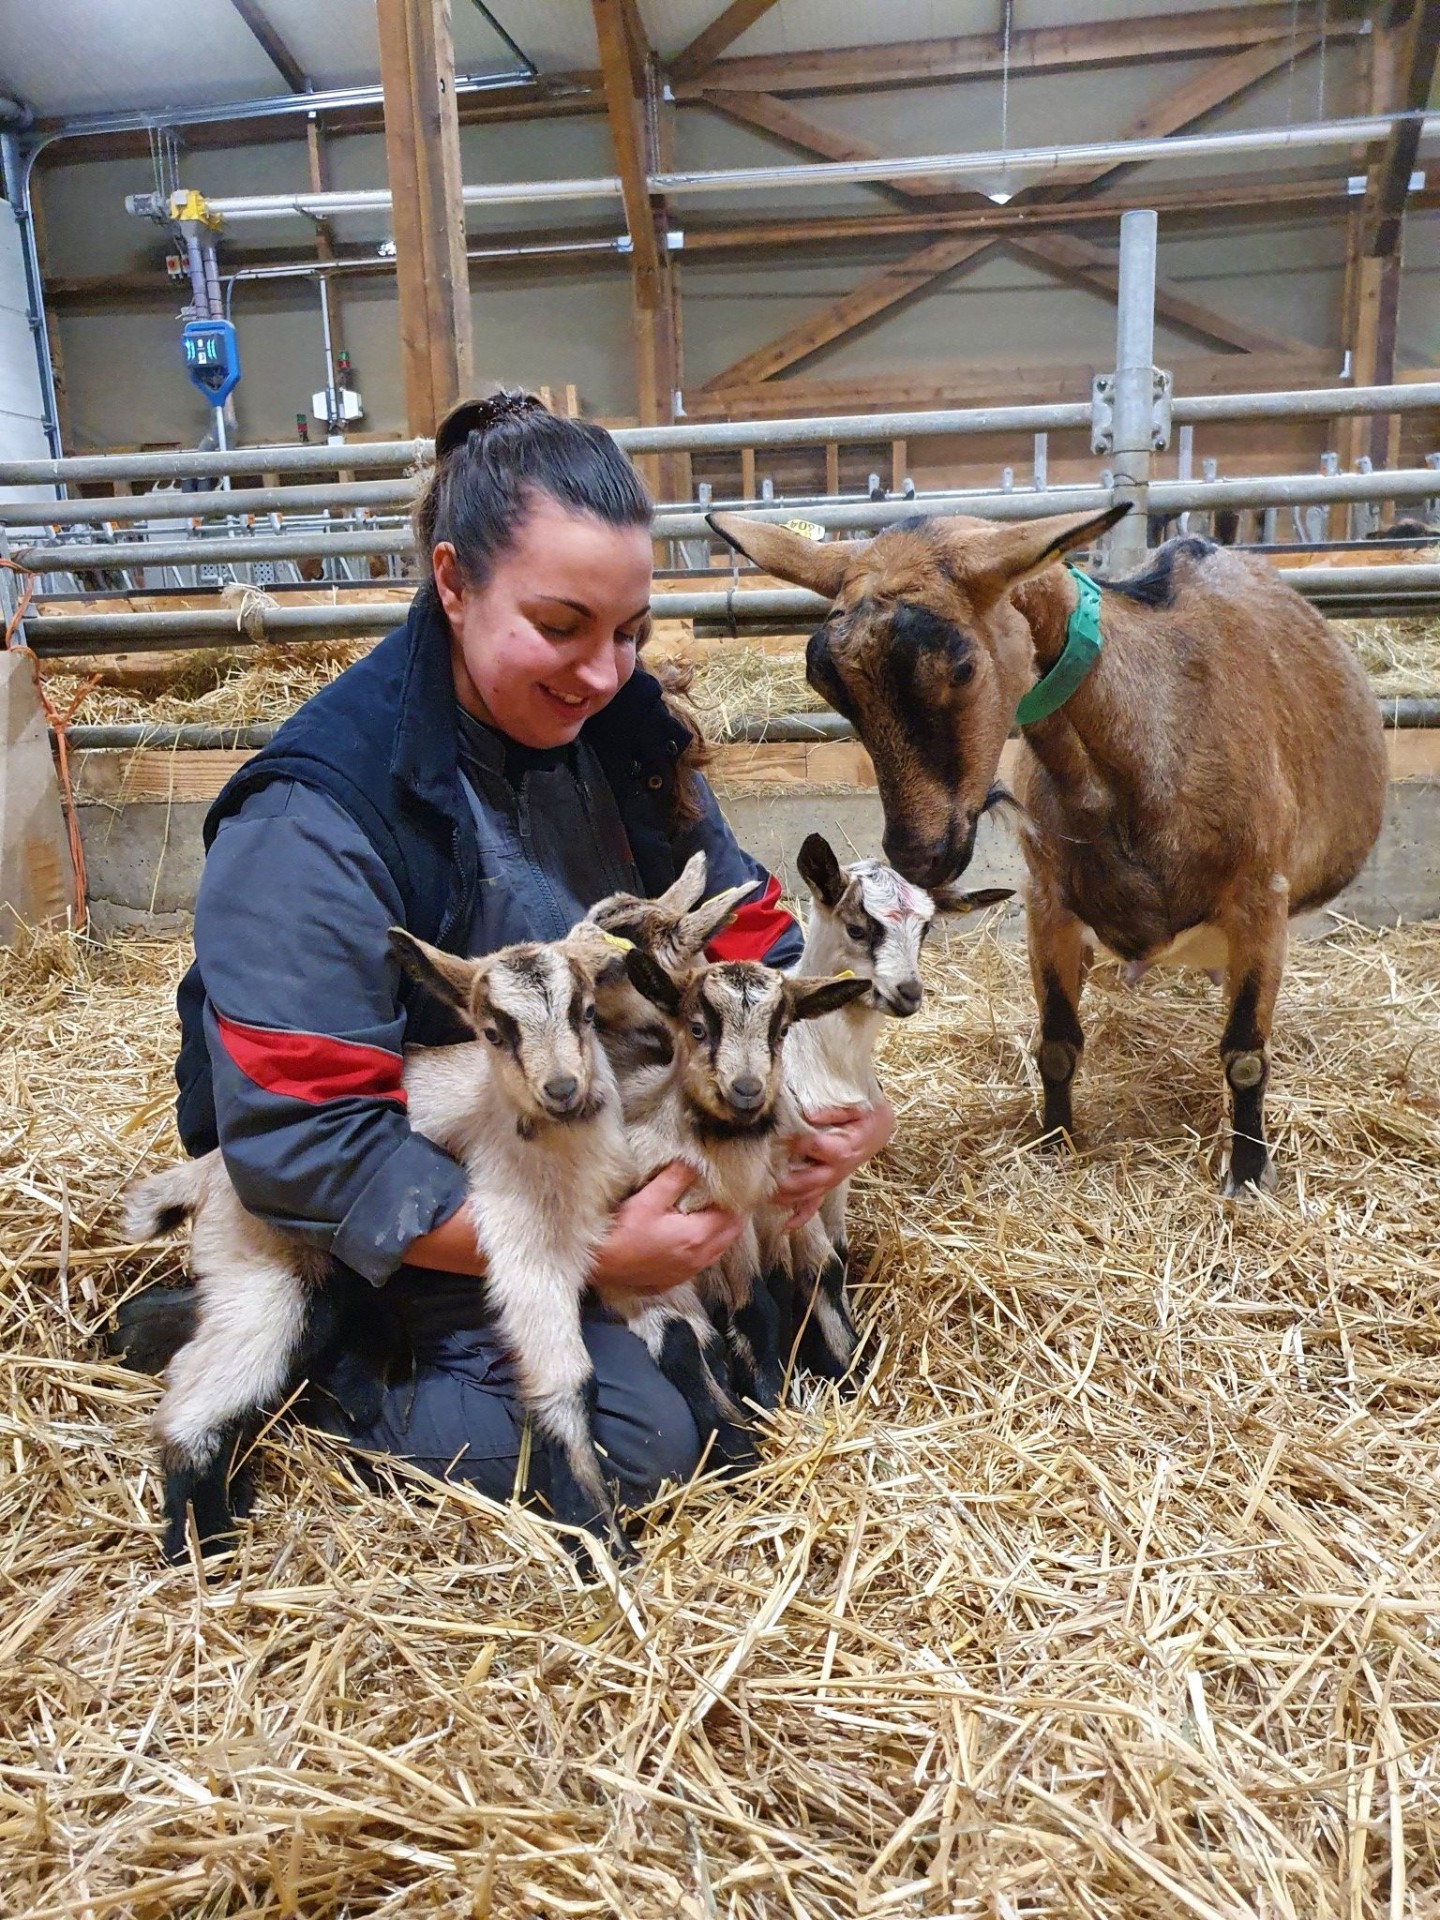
1108 1585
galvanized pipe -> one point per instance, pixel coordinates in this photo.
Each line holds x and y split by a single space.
367 494
725 435
787 728
57 635
860 516
1133 401
996 162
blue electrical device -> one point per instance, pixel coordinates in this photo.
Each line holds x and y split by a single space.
212 358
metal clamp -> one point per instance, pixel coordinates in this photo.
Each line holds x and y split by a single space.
1102 411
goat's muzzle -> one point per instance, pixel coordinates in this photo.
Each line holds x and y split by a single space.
903 999
746 1094
932 863
562 1096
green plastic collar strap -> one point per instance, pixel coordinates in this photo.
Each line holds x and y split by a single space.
1083 641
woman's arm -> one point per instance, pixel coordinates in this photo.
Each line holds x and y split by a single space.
305 1033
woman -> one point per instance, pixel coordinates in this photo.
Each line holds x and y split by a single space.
490 770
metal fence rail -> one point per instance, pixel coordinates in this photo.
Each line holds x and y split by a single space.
1341 591
721 435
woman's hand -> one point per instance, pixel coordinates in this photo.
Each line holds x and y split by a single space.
837 1141
651 1247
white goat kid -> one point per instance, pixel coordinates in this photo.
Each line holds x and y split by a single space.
867 920
531 1110
723 1109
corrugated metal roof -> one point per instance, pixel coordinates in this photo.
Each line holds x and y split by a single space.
80 56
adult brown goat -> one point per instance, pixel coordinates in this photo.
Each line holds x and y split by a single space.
1220 767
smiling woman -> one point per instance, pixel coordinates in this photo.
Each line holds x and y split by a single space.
484 776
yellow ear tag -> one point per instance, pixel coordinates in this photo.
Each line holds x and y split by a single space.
848 974
614 940
807 529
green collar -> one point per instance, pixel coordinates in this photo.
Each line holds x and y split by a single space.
1083 641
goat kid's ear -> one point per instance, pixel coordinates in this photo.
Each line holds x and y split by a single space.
682 894
817 564
811 999
708 918
1001 557
820 870
449 977
650 979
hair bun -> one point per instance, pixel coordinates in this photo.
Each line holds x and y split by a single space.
480 416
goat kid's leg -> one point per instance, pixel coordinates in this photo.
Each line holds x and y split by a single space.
693 1367
755 1346
1057 969
215 1496
539 1318
1257 927
827 1339
250 1326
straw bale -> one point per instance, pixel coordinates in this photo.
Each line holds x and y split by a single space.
1112 1593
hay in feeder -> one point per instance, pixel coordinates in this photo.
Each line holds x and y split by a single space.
1112 1594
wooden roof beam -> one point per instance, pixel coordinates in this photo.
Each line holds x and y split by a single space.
613 32
276 51
1389 183
705 49
1093 43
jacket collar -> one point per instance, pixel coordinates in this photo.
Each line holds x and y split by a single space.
636 728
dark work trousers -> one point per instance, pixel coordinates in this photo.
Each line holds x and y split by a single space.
458 1416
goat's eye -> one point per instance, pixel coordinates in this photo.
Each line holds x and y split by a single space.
588 1016
697 1027
962 671
492 1034
857 932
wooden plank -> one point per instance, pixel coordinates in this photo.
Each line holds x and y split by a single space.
626 134
1094 43
711 42
276 51
1388 189
875 295
422 157
977 386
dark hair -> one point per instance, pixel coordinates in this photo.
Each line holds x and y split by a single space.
493 456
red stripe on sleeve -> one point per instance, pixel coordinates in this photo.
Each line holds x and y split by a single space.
754 928
314 1067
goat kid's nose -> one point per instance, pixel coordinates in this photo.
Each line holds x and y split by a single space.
906 996
560 1090
747 1091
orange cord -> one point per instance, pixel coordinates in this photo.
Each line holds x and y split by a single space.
59 722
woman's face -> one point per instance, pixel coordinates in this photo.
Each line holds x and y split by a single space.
550 638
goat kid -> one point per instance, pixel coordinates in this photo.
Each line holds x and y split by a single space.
724 1110
1219 768
531 1110
866 920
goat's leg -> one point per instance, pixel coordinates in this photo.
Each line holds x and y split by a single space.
1057 970
755 1345
1256 924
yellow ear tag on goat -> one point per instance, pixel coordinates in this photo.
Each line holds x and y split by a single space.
807 529
848 974
614 940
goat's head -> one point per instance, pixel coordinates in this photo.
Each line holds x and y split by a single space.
675 925
729 1021
535 1005
867 919
926 655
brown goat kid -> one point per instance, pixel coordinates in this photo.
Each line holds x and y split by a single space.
1220 768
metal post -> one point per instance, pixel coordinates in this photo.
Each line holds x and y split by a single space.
1134 386
333 416
1040 463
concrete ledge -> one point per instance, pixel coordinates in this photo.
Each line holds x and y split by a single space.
141 816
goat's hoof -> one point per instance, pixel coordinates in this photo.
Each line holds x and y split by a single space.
1056 1138
1247 1184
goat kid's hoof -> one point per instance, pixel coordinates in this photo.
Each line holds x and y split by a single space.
1249 1184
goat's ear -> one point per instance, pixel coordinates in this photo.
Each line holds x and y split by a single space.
810 999
447 976
820 870
650 979
1001 557
708 918
819 565
598 957
682 894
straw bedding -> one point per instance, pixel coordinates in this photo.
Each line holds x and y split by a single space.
1112 1594
733 680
